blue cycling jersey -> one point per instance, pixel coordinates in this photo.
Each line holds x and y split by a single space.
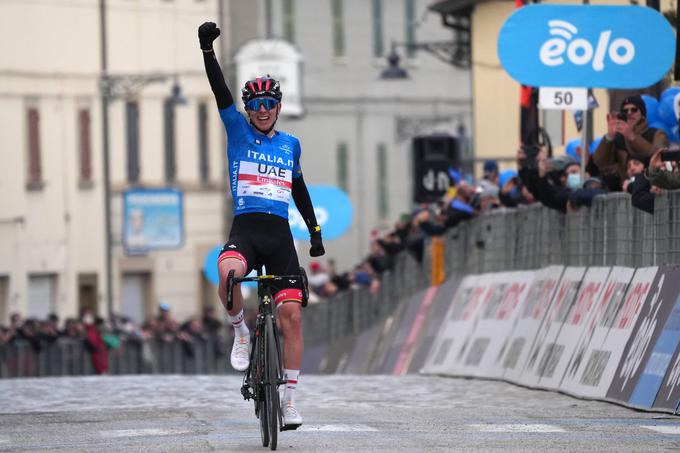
261 169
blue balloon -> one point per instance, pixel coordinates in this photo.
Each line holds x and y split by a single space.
571 149
670 91
674 136
333 210
667 108
652 108
210 265
505 176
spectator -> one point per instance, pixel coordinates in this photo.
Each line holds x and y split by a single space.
49 330
490 171
94 342
73 329
191 336
635 166
584 196
166 325
658 174
320 281
652 181
553 180
213 327
627 134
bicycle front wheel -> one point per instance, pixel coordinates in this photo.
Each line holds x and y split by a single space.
273 377
260 388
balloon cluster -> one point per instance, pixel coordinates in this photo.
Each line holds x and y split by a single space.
662 114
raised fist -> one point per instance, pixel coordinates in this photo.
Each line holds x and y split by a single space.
207 33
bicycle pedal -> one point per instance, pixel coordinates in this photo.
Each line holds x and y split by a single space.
291 427
247 394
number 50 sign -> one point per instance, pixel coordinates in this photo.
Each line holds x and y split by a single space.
552 98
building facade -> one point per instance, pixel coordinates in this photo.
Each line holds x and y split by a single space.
356 134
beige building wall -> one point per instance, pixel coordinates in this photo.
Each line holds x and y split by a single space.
57 230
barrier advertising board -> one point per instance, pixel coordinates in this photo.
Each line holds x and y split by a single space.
539 363
462 310
647 329
565 344
658 362
590 373
493 325
519 343
435 318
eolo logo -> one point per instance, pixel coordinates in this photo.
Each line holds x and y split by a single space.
580 52
593 46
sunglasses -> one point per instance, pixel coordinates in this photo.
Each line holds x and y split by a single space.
630 110
268 103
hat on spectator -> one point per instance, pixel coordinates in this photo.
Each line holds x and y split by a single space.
490 166
639 157
560 163
590 181
637 101
314 266
164 306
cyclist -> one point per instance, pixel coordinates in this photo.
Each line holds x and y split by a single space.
264 172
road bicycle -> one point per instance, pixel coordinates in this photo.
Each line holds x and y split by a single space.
264 374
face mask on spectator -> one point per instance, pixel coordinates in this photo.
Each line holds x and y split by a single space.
574 180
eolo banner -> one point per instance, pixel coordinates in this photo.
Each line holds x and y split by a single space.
586 46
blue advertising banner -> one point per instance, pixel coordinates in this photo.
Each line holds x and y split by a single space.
152 220
656 368
333 210
591 46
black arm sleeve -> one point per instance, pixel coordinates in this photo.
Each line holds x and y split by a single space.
216 79
304 202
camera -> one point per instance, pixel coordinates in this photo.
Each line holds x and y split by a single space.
672 154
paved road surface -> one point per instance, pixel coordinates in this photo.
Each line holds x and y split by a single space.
342 414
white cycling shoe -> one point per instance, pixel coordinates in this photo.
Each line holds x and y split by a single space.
291 416
240 353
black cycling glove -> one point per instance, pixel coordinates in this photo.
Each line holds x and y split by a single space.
317 244
207 33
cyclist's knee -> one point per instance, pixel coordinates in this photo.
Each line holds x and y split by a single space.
290 315
229 261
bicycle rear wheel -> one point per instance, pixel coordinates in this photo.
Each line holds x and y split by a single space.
272 389
260 388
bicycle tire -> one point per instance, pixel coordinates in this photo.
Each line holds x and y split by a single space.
273 375
260 389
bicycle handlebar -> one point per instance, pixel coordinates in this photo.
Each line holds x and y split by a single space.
301 277
274 278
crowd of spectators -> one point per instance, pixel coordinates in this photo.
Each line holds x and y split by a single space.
102 337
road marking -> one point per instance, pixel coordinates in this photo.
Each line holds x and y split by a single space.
4 439
337 428
664 429
141 432
518 428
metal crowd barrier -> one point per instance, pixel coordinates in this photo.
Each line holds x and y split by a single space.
610 233
67 357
